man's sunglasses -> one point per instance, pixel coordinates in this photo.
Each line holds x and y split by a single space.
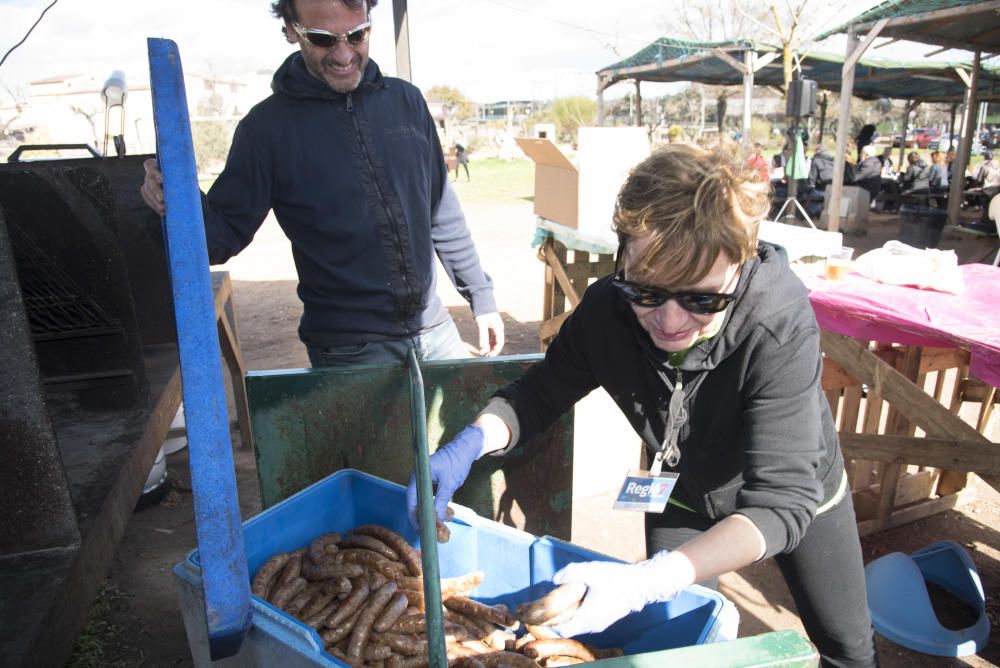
324 39
702 303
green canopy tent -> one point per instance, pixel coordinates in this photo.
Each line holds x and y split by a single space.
951 24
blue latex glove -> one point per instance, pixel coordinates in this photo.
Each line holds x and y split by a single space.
615 590
450 466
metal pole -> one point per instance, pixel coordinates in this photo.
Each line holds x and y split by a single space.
428 521
638 104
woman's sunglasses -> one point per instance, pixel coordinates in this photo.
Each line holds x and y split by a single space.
324 39
701 303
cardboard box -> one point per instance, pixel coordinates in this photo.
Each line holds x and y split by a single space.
582 195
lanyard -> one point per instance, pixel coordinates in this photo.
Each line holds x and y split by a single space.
677 416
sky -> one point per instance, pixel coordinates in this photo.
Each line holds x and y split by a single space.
489 50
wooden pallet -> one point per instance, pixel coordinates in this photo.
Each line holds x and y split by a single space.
909 454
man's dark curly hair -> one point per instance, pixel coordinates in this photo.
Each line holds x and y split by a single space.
285 9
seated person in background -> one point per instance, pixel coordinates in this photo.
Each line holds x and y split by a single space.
868 173
988 175
939 172
949 160
821 168
988 180
887 164
916 180
820 176
759 162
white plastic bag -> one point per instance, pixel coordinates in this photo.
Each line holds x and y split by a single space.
898 264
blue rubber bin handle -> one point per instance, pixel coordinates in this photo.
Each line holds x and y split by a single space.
213 481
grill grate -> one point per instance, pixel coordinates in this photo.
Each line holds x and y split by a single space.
56 305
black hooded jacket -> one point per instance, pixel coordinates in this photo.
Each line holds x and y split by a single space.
760 440
358 184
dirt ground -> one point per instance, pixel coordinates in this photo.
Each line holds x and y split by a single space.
136 620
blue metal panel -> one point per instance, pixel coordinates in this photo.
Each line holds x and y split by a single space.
216 505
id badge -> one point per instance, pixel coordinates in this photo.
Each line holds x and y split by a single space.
645 491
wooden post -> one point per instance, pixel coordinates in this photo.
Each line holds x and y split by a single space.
965 147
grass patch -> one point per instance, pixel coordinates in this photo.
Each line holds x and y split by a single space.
496 181
100 644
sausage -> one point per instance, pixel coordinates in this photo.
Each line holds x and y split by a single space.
456 586
324 545
363 627
414 598
407 554
475 628
292 570
541 632
337 633
369 543
558 660
606 653
467 606
266 573
507 659
339 587
374 561
318 619
563 616
409 624
351 604
375 579
302 599
393 610
316 604
405 644
284 593
377 652
394 661
558 647
327 568
498 638
468 662
554 603
443 532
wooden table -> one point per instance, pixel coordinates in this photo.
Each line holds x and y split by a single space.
899 360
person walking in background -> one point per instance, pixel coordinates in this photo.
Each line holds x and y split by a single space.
707 341
350 162
865 137
462 156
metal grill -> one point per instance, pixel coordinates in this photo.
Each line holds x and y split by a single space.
57 307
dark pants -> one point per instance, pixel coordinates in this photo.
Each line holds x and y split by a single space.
825 574
442 342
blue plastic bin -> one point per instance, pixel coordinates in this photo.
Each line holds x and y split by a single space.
518 568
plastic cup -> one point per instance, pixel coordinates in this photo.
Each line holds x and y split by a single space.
838 263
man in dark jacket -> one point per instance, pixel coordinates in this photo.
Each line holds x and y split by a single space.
351 165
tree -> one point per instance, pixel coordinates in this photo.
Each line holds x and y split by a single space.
459 106
211 134
569 113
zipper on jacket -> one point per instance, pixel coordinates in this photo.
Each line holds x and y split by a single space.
382 201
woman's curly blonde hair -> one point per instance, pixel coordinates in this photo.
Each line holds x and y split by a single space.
693 203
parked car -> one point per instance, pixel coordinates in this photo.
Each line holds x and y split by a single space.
918 137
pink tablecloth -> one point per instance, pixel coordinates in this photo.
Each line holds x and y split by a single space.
861 308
